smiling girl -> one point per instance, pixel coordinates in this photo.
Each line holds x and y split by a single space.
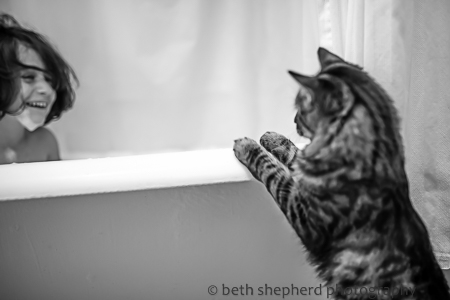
46 90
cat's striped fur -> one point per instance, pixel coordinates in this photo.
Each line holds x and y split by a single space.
346 194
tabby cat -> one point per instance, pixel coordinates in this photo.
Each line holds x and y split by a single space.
346 194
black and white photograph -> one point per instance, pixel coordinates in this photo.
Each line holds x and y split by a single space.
224 149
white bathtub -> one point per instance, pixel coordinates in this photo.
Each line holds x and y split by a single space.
161 226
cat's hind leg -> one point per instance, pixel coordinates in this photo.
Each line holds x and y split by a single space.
281 147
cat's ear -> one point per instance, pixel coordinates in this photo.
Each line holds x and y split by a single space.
307 87
305 81
326 58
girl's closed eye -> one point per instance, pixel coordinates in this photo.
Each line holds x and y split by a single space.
28 76
49 79
32 75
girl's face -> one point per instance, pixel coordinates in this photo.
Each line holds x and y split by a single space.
37 92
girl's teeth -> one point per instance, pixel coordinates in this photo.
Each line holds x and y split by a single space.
37 104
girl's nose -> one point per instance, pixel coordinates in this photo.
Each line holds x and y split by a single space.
44 87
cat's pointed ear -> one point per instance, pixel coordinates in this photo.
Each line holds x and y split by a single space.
306 81
326 58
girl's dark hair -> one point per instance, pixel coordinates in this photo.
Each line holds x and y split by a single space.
9 64
63 76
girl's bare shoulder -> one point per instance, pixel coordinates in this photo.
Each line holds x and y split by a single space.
44 140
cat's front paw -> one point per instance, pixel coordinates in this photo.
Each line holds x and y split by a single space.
272 140
244 148
281 147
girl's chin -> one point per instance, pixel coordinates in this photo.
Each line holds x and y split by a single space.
38 113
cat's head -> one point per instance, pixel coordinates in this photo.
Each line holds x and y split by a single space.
346 112
323 97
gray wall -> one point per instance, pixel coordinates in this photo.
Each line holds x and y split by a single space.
152 244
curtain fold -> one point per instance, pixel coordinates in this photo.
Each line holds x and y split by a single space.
425 108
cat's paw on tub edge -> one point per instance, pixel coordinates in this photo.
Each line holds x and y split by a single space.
242 148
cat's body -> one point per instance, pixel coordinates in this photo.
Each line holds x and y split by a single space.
346 194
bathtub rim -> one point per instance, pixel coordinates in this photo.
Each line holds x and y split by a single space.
120 174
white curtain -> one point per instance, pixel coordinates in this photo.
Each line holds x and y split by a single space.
162 75
405 46
170 75
425 107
